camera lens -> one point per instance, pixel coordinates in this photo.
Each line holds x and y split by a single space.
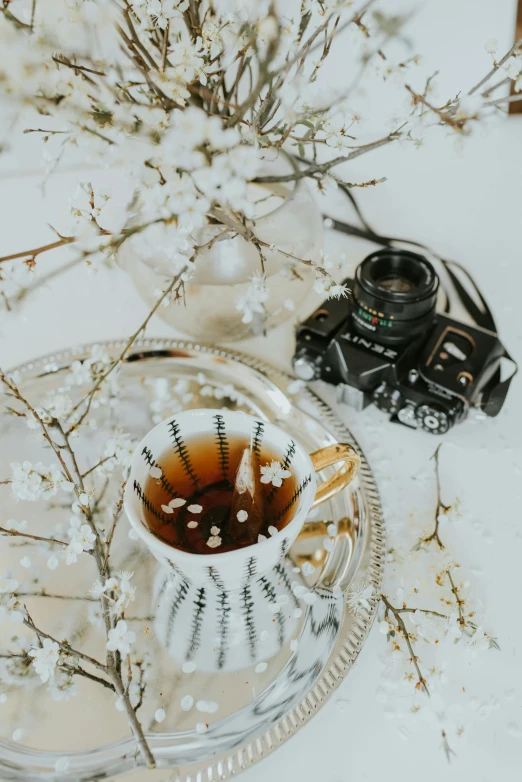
395 292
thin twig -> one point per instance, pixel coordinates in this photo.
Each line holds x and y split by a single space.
87 400
400 622
78 67
458 600
64 646
439 505
421 611
321 168
487 77
165 46
442 113
37 250
505 99
53 596
78 671
95 466
15 533
115 517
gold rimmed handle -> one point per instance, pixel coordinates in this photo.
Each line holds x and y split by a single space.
326 457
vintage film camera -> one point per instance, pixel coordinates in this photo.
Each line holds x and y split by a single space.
387 345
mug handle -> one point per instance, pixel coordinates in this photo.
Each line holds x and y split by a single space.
326 457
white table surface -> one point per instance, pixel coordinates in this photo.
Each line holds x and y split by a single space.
466 204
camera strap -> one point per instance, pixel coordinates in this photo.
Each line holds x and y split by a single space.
495 391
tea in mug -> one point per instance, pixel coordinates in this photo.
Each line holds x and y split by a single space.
205 499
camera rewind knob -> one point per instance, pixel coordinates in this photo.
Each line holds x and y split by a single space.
305 369
433 419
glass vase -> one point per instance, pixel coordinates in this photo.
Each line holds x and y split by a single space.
287 218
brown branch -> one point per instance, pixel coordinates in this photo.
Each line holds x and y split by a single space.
132 717
64 646
56 449
95 466
115 517
48 132
88 399
78 671
487 77
442 113
15 533
321 168
37 250
135 39
400 622
439 506
505 99
165 46
460 603
263 78
78 67
422 611
52 596
486 93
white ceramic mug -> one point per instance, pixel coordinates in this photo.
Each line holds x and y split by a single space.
177 434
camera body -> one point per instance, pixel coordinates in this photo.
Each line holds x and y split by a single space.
424 369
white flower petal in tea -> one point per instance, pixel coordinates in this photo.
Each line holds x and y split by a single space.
274 473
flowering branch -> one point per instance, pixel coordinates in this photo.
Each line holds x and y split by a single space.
112 667
173 287
64 645
31 254
440 507
421 681
514 50
16 533
321 168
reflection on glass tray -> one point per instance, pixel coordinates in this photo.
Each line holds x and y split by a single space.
263 664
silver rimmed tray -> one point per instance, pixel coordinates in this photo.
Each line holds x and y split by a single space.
87 737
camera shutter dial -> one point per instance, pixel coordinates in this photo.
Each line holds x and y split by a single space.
433 419
387 398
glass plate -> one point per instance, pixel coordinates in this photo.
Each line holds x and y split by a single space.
253 708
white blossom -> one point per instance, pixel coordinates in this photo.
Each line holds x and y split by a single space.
9 604
45 659
34 481
427 626
491 45
120 638
469 107
326 286
359 598
274 473
252 302
120 448
119 591
9 610
8 585
82 538
513 67
61 687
